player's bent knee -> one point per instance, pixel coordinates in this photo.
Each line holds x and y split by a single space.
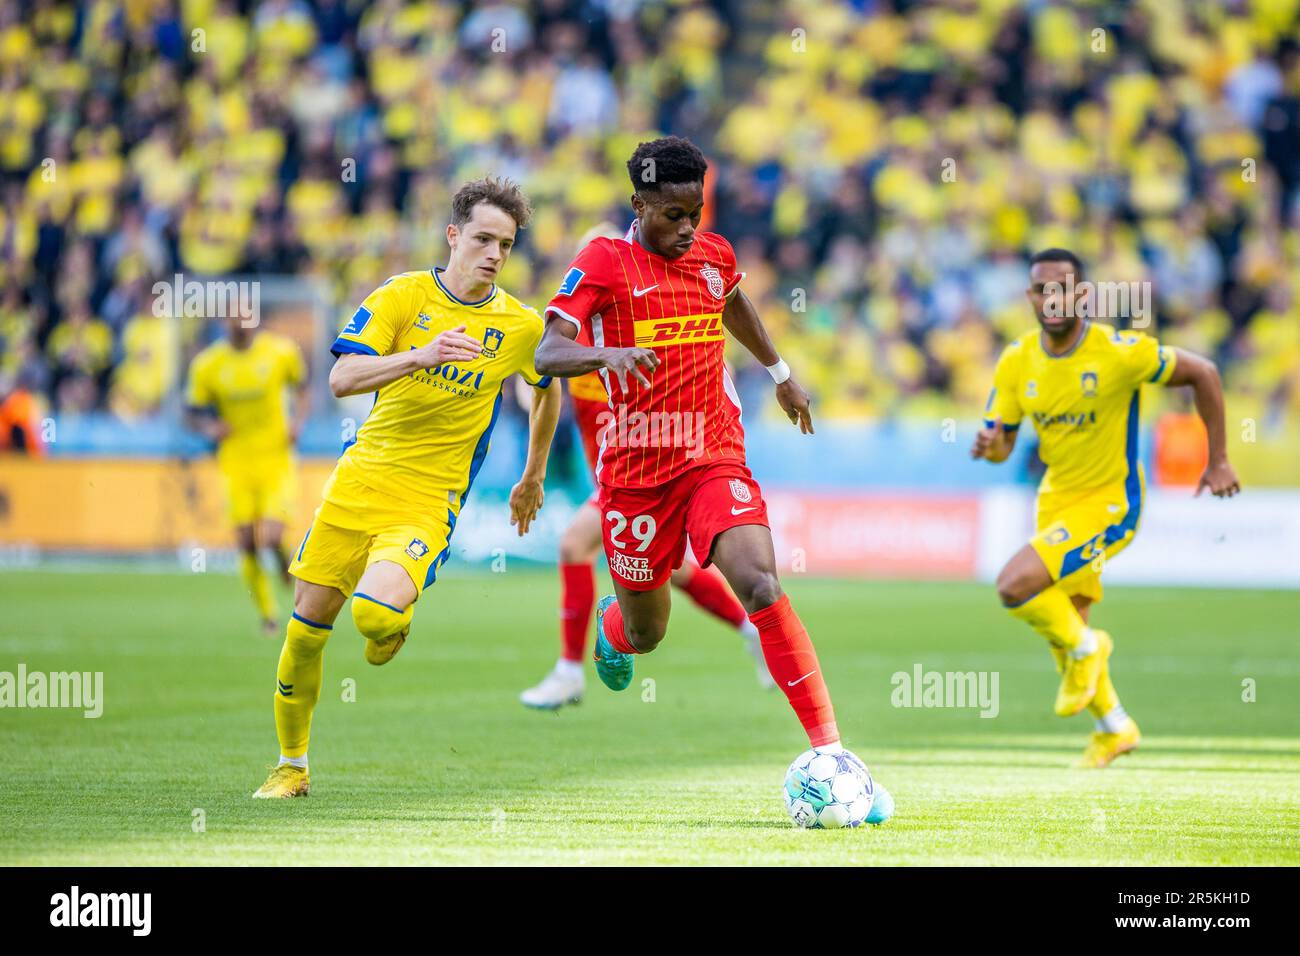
377 620
763 590
643 639
645 631
314 603
1014 589
576 548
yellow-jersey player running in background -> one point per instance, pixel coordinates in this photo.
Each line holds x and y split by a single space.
1079 382
435 346
236 397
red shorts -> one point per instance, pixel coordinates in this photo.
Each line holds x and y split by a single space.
645 529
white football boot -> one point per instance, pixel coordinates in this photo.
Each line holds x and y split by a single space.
563 685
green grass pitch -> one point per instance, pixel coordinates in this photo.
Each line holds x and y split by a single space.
436 762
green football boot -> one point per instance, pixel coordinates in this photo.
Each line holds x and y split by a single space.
614 668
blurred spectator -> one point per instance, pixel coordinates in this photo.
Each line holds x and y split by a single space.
884 169
80 344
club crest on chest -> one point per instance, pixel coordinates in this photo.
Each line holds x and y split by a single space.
492 339
714 278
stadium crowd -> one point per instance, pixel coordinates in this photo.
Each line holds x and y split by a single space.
884 168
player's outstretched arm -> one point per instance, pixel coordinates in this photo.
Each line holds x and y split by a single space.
357 374
526 496
741 320
559 354
1202 375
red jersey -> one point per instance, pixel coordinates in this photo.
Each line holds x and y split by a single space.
621 295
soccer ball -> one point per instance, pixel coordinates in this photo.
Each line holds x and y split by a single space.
826 791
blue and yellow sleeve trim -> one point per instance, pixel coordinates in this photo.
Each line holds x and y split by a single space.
1006 426
1165 368
344 346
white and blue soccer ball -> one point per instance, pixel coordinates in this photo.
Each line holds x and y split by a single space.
827 791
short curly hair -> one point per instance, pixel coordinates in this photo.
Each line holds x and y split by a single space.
505 194
672 159
1059 255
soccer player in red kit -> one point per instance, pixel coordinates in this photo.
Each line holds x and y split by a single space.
581 541
654 305
565 683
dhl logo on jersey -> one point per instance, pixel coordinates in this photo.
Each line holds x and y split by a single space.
679 330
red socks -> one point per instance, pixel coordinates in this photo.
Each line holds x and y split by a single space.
577 600
792 661
708 588
613 623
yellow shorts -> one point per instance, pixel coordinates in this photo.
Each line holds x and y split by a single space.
347 536
262 490
1079 531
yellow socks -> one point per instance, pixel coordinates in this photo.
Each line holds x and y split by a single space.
1053 615
298 683
1106 699
258 584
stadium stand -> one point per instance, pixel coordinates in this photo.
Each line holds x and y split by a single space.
885 176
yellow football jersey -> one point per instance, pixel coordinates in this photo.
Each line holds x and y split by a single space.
588 388
428 432
1084 404
246 389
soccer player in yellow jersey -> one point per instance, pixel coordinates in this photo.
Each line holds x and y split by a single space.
237 398
435 346
1079 382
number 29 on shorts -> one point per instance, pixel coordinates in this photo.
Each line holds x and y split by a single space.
642 528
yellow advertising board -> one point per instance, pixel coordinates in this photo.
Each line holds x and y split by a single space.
127 504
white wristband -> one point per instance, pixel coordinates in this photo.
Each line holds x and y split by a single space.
779 372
